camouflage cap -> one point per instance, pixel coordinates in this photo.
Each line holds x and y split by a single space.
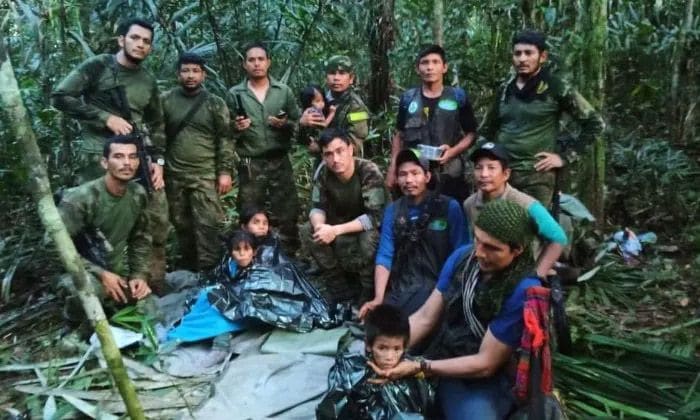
339 62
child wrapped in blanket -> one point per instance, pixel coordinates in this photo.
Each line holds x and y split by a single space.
354 392
204 320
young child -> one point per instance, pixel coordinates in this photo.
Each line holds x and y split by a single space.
352 393
311 98
255 221
241 246
204 319
386 336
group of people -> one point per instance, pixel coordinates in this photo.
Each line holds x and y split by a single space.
457 263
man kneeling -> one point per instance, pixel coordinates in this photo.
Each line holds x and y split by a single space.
480 296
111 212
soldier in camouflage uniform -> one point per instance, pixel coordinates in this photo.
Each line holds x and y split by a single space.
263 139
526 115
347 200
116 208
198 165
90 94
351 114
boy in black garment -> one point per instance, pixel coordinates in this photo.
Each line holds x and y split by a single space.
352 395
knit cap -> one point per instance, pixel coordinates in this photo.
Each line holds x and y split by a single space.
506 221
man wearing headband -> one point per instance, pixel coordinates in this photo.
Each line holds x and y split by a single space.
478 305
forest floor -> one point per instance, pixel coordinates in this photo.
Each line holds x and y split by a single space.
655 305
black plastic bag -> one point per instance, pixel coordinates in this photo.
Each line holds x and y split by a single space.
351 397
277 295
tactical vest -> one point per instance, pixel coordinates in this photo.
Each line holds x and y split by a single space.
442 128
421 245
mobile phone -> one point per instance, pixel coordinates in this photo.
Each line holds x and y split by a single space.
282 114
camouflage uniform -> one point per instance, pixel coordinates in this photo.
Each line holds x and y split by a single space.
526 122
124 224
349 258
351 114
197 154
88 94
265 176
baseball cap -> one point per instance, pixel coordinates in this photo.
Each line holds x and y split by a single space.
412 155
339 62
493 151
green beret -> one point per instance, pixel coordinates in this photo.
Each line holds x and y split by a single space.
506 221
339 62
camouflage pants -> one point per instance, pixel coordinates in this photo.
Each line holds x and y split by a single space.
73 311
347 264
539 185
197 216
269 183
89 168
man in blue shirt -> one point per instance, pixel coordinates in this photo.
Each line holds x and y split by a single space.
479 300
419 231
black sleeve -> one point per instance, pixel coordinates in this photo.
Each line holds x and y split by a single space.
466 116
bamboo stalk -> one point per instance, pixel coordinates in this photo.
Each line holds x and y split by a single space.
41 190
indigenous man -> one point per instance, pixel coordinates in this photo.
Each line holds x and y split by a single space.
436 115
263 139
112 211
525 118
491 173
479 301
199 162
113 95
347 200
419 231
351 114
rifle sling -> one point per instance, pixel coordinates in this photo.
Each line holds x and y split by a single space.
173 132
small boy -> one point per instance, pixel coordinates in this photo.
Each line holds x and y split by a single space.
351 394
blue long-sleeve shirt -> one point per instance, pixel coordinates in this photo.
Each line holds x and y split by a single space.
457 224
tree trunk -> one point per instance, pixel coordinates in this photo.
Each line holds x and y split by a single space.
438 22
381 40
593 17
41 190
677 119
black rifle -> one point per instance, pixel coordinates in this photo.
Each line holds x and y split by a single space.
558 296
122 103
240 111
93 246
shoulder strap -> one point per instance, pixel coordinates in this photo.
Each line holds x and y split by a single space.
171 131
123 100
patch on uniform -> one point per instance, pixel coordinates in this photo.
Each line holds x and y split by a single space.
447 104
315 194
438 224
542 87
412 107
358 116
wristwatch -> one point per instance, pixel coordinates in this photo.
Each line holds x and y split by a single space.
160 161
